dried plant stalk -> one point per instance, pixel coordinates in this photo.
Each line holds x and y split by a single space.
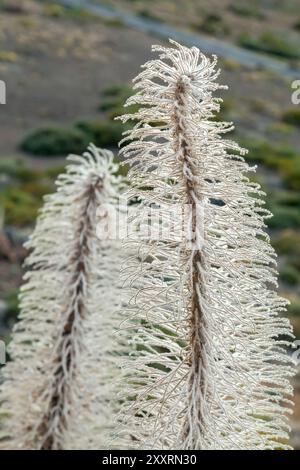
57 390
210 369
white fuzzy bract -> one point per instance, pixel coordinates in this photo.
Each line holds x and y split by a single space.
57 390
209 368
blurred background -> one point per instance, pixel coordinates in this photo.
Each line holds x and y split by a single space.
68 66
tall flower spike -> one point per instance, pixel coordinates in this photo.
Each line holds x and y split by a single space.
210 369
57 389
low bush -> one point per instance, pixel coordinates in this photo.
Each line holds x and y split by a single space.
292 116
37 188
149 15
20 207
290 275
290 171
260 151
283 159
55 141
280 129
284 217
212 23
287 244
287 198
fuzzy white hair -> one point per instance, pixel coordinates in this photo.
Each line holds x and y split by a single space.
209 368
58 387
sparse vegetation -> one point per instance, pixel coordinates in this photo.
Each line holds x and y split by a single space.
280 129
294 309
15 168
54 10
8 56
246 10
270 43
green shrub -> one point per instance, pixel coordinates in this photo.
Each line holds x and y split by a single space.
55 171
148 15
12 302
260 151
290 171
123 168
281 158
280 128
290 275
288 243
292 116
37 188
55 141
212 23
102 133
294 308
286 198
297 25
20 207
54 10
117 90
8 56
284 217
270 43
